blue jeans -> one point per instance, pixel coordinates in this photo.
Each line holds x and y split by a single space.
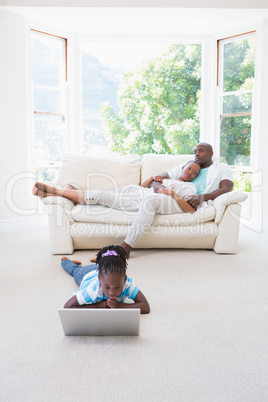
77 271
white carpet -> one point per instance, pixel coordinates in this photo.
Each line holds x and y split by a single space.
206 338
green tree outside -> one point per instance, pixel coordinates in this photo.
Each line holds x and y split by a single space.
159 105
238 75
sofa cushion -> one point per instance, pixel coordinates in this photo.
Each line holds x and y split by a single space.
154 164
99 172
105 215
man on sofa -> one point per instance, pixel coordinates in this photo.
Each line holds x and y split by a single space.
213 180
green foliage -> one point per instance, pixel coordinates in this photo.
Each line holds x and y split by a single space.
235 140
47 175
239 63
238 75
159 105
242 181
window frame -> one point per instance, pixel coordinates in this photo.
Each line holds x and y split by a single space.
221 93
64 93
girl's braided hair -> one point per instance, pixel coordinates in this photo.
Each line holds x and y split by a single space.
112 259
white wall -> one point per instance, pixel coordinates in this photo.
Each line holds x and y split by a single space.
141 3
261 141
13 113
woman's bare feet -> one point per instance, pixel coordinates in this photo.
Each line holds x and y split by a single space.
74 261
39 192
35 190
43 190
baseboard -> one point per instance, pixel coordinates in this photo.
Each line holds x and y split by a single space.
21 224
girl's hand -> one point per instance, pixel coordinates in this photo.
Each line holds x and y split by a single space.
113 303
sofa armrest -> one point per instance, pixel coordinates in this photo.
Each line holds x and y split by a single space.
66 204
59 211
220 203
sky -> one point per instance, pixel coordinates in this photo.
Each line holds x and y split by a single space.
125 55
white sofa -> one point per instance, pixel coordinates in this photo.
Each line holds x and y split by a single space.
74 227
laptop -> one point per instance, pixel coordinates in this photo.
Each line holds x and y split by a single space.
99 322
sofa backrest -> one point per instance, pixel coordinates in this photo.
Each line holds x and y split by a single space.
111 172
154 164
100 172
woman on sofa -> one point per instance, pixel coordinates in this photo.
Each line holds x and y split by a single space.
134 198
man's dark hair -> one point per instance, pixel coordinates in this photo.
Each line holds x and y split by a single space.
112 259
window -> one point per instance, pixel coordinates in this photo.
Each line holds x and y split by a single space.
236 75
236 71
140 96
48 55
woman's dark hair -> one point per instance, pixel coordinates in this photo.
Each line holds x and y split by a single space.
193 161
112 259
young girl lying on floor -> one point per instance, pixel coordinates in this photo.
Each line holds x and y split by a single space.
106 284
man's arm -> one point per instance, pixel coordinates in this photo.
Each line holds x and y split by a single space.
147 182
163 176
140 302
73 303
225 187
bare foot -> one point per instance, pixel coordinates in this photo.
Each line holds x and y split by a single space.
94 258
45 188
35 190
41 186
39 193
74 261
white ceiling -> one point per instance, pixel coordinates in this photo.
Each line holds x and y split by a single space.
141 20
140 3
